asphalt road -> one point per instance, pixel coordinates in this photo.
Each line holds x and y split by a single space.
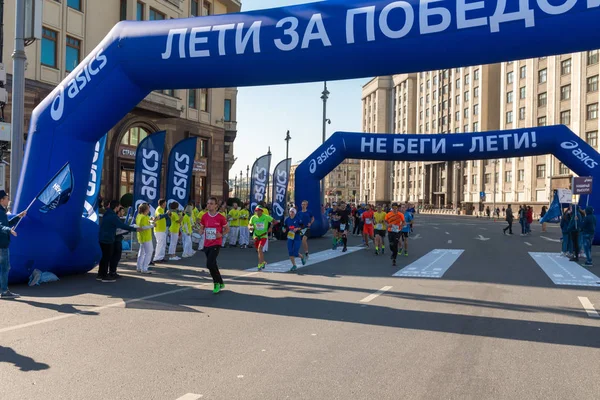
494 326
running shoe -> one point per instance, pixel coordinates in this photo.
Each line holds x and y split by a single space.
345 249
306 255
217 288
9 295
393 262
303 261
406 254
293 268
222 286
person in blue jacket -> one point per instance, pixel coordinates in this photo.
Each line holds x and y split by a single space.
574 228
588 229
6 231
566 237
293 226
107 236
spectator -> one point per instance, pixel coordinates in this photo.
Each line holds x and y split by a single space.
542 213
588 230
6 230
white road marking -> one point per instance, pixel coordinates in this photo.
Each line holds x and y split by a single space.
113 305
449 241
440 259
314 258
483 239
527 243
447 233
415 237
190 396
551 240
589 307
564 272
376 294
435 227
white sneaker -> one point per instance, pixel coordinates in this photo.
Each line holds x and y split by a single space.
175 258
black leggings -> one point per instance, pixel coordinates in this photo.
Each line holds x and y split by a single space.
107 253
357 226
211 262
394 238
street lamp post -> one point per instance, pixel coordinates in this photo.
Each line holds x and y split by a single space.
324 97
235 187
287 144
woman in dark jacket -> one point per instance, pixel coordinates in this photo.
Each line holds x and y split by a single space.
544 210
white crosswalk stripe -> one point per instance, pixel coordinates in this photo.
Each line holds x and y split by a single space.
314 258
564 272
432 265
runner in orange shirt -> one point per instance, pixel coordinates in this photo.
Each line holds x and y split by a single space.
368 227
395 222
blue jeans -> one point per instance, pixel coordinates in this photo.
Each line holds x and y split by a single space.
522 222
587 246
4 268
566 238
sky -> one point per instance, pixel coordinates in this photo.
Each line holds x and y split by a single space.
266 113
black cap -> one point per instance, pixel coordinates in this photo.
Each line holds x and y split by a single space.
394 204
3 194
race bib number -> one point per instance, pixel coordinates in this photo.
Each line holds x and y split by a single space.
395 228
211 233
291 235
342 227
368 221
260 226
379 227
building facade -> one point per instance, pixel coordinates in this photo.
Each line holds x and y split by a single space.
536 92
343 182
72 29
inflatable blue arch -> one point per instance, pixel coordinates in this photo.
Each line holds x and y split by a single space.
329 40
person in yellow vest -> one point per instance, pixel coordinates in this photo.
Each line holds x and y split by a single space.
186 232
144 238
234 225
174 230
244 218
223 212
195 213
160 231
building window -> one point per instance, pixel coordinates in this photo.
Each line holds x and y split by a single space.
542 75
123 10
523 72
458 83
194 7
49 39
466 128
522 93
466 113
227 110
156 15
509 117
592 84
458 100
192 96
457 116
476 75
562 169
592 111
466 96
540 171
476 92
139 11
204 100
74 4
434 110
509 97
169 92
541 121
427 98
592 57
474 179
476 109
565 67
592 138
521 113
467 79
421 88
565 92
510 77
542 99
565 117
202 148
72 53
521 176
487 179
475 126
508 176
134 136
427 113
428 84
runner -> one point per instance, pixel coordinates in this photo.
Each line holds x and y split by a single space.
335 225
406 229
395 222
380 228
368 228
213 226
261 226
293 226
307 220
343 217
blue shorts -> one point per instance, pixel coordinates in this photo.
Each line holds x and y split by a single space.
294 247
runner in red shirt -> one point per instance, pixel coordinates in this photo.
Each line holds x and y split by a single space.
368 227
214 226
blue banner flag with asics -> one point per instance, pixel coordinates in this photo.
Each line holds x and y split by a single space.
58 191
179 173
148 168
554 212
281 177
90 206
260 180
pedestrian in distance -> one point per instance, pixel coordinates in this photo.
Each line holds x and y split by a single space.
509 219
542 214
214 227
6 231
